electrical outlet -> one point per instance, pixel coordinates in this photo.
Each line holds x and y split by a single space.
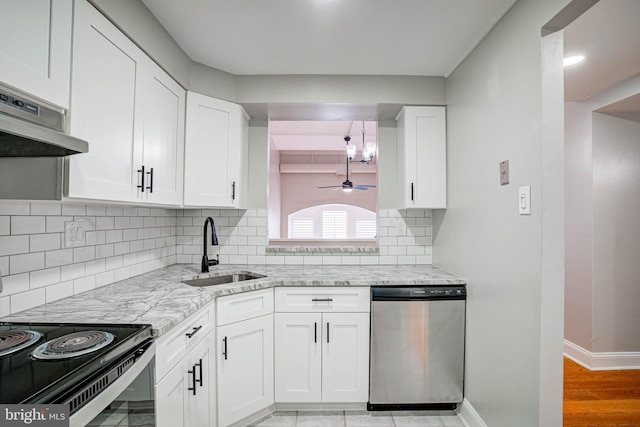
74 233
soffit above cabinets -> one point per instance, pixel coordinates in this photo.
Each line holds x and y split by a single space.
355 37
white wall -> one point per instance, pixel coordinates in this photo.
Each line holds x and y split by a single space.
601 216
616 234
495 113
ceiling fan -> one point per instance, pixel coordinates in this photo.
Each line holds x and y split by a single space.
348 186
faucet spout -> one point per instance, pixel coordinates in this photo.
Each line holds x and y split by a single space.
214 241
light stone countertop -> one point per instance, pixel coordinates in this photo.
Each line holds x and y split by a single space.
160 299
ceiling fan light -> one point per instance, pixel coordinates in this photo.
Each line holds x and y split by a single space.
347 189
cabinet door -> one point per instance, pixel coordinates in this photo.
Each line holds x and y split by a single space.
298 357
422 157
215 152
106 109
171 397
345 357
245 368
35 47
177 403
163 151
200 407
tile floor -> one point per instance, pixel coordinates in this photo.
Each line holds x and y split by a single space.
120 415
359 419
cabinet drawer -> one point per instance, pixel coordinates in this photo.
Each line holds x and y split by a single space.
322 299
238 307
173 346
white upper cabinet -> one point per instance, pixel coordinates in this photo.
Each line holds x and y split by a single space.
35 47
422 158
163 150
130 111
216 153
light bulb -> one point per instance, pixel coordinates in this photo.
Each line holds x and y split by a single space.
351 151
347 189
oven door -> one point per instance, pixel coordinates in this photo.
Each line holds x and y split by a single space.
97 404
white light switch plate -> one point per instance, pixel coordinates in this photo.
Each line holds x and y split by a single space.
524 200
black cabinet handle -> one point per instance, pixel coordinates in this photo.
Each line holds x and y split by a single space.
412 191
233 191
193 378
322 299
141 172
224 352
199 381
327 332
192 333
315 332
150 187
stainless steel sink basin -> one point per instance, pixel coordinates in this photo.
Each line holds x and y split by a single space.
223 280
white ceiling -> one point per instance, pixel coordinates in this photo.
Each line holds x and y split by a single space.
370 37
608 34
319 135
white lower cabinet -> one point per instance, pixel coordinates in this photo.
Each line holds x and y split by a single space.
245 354
186 396
321 345
321 357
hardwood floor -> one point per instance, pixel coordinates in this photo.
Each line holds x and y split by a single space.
600 398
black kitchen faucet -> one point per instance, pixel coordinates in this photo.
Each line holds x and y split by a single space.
214 241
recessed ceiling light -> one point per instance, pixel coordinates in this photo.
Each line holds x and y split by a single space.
572 60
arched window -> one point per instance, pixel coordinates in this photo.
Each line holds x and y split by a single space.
343 222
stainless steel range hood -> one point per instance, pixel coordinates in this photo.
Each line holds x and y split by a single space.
31 128
33 144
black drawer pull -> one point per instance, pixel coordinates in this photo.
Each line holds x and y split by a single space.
322 299
315 332
327 332
193 377
224 352
150 187
192 333
141 172
412 191
199 381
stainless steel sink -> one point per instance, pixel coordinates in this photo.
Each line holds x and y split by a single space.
223 280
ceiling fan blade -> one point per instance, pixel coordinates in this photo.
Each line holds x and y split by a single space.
366 185
331 186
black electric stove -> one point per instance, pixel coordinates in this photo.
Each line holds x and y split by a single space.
65 363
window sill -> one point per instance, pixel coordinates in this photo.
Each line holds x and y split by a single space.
321 246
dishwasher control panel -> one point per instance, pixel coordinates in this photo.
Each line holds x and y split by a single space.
418 292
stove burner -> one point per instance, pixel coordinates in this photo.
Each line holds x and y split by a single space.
73 345
12 341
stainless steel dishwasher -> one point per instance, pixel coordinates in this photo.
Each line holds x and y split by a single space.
417 347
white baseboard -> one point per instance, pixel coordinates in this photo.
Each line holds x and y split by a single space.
469 416
603 361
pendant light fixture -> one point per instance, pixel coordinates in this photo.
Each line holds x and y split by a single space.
368 149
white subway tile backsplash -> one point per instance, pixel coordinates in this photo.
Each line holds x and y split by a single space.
58 258
5 227
26 300
44 208
83 254
44 242
96 210
42 278
106 278
55 224
59 291
5 306
4 265
14 208
105 223
84 284
71 272
115 211
27 224
74 209
15 284
27 262
13 245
